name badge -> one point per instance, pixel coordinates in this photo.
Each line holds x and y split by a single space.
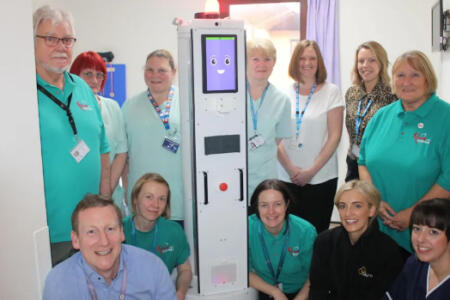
170 145
355 150
255 141
80 151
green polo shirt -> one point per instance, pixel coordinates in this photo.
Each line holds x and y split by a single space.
296 264
170 245
66 182
406 153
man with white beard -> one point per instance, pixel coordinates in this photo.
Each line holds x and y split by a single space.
75 150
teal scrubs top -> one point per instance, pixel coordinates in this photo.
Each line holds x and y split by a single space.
117 138
145 135
297 261
406 153
273 123
170 245
66 182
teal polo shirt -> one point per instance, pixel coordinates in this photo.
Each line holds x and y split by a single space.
66 182
406 153
296 264
170 245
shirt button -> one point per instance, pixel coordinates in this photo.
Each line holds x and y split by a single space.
406 123
402 133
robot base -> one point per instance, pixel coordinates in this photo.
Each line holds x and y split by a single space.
247 294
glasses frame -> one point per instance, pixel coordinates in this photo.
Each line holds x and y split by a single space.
66 41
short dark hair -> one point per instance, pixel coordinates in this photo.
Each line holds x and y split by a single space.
271 184
90 201
433 213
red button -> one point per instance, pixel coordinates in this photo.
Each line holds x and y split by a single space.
223 186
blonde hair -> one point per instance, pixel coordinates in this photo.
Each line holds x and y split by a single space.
382 59
265 45
149 177
367 189
419 62
294 72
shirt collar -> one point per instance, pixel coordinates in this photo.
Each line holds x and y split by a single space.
68 83
422 111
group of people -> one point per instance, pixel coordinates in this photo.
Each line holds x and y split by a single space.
401 156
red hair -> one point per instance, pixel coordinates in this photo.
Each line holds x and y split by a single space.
89 60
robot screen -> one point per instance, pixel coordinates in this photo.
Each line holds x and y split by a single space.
219 63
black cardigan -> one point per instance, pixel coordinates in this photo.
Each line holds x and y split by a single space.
342 271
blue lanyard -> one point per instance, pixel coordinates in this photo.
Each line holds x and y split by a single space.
360 117
122 290
298 115
252 107
266 253
163 115
133 234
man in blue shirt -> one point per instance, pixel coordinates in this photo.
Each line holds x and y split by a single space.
74 146
104 268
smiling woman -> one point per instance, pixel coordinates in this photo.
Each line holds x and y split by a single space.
427 273
356 260
280 244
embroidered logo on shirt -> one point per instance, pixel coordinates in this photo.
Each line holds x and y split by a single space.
421 138
83 106
363 272
294 251
164 249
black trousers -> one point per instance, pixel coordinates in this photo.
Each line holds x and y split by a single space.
262 296
352 169
314 202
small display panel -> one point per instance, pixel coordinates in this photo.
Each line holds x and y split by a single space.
219 63
221 144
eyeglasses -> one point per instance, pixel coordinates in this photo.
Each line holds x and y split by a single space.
52 41
90 75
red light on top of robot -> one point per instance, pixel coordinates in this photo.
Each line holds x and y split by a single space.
211 10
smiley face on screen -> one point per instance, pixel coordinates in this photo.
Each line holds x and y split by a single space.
220 63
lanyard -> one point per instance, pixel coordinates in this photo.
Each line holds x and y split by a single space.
252 106
360 117
298 115
163 115
266 253
64 107
133 234
122 290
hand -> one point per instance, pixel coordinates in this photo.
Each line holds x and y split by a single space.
279 295
180 295
386 213
401 220
303 177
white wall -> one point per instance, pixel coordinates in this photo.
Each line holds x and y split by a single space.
131 29
24 250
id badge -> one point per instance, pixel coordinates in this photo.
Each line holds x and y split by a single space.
80 151
255 141
355 150
170 145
